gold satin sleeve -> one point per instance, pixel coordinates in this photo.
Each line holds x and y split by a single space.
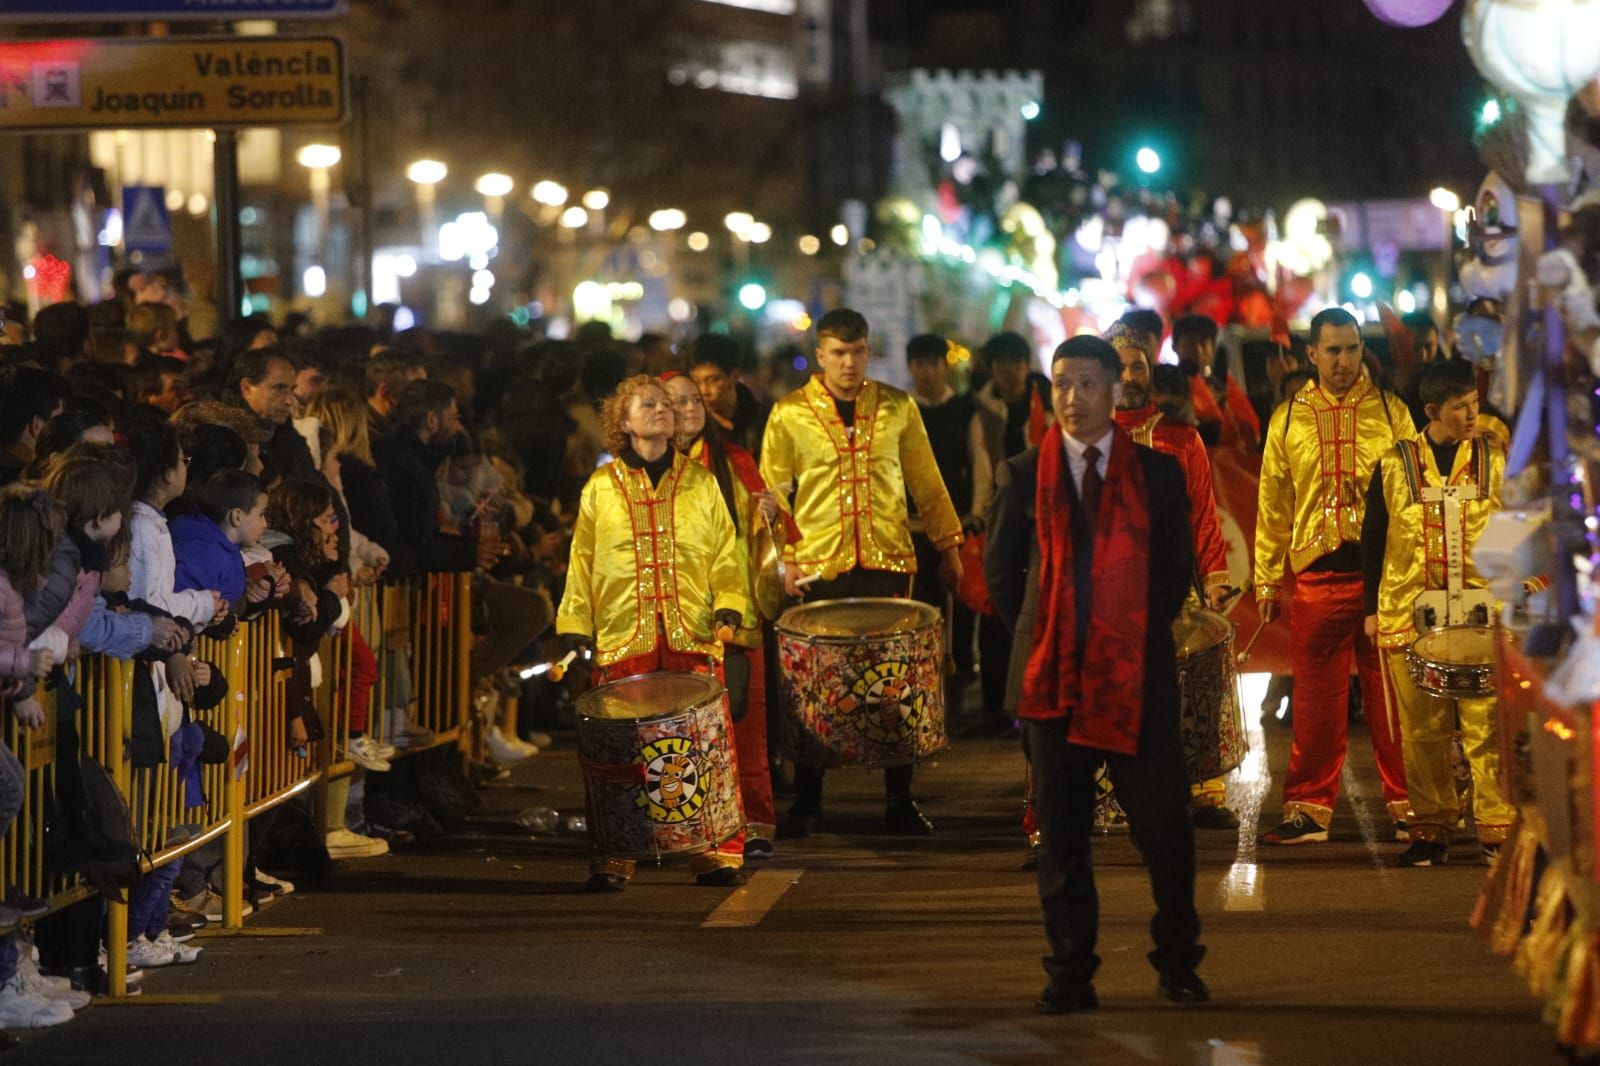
576 613
1274 508
777 463
938 514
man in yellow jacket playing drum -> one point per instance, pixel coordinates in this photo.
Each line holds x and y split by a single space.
849 449
1429 501
655 570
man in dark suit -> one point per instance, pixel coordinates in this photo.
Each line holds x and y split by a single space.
1105 524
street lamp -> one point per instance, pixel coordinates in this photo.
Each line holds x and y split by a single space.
319 159
597 199
1148 160
550 193
698 241
1445 200
425 174
574 217
758 233
667 219
494 187
738 222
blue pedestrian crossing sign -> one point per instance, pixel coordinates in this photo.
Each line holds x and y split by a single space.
146 223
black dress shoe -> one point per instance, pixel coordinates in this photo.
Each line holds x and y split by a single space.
1066 999
603 882
1183 986
797 824
903 818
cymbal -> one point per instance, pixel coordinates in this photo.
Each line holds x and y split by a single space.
769 571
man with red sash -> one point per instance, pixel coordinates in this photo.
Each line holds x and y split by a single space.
1110 521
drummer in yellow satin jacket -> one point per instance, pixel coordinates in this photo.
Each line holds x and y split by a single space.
1403 553
655 570
846 450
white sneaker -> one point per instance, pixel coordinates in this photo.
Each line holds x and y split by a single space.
146 953
280 886
343 844
57 989
182 954
540 740
384 750
504 751
23 1009
363 752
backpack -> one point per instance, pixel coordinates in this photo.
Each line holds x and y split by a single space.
96 840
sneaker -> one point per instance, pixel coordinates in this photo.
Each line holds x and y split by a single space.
1213 817
28 906
1301 828
182 954
504 751
1183 986
1424 853
721 877
277 884
179 912
1402 831
1066 999
363 752
10 918
403 735
343 844
903 817
758 848
179 930
542 741
22 1009
148 954
58 989
209 905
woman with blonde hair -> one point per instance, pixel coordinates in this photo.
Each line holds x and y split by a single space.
648 596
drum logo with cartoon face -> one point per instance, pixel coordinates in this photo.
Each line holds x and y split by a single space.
671 791
890 707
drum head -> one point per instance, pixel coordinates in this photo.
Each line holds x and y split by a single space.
851 620
647 696
1457 644
1198 630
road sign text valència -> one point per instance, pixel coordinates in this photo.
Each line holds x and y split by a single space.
216 82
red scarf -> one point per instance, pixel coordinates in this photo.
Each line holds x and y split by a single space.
1104 695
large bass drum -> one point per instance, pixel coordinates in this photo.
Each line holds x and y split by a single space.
1214 738
862 681
658 765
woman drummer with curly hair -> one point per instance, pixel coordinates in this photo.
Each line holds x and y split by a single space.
656 571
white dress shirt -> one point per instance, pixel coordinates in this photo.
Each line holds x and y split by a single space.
1077 462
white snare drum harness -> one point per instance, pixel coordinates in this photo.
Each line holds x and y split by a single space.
1455 604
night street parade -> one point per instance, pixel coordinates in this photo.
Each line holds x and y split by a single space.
865 531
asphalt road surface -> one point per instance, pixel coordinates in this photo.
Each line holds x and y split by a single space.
848 947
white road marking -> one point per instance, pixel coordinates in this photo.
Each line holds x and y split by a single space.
751 902
1244 887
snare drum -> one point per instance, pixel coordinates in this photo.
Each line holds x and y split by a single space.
658 767
1214 738
1454 661
862 681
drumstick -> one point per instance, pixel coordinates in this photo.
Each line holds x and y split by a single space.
1243 655
558 669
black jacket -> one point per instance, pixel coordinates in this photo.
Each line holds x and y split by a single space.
1011 558
408 470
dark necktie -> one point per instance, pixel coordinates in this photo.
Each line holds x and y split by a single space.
1092 483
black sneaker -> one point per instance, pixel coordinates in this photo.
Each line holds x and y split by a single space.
758 848
1066 999
904 818
604 882
1301 828
1424 853
722 877
1209 817
1183 986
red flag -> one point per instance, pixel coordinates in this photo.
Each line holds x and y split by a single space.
1236 475
1402 348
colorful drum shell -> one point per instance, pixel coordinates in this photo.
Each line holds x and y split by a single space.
1214 737
862 681
659 773
1457 662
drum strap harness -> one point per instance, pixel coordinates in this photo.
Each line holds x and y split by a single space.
1101 691
1449 499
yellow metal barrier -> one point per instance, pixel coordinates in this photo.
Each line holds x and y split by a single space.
430 618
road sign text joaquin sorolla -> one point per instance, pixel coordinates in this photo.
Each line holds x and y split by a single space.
193 81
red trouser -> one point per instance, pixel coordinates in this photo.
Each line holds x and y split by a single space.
1324 628
731 851
750 739
363 675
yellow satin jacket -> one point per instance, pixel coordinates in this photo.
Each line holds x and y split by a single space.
850 486
1414 559
640 554
1319 456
